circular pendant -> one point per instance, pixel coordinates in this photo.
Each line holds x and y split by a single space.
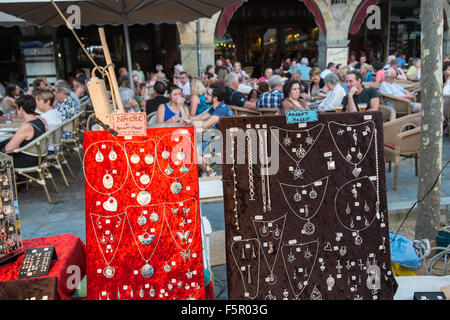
108 181
154 217
271 279
142 220
176 187
99 156
297 197
167 267
165 154
181 156
112 155
264 230
143 198
135 158
313 194
147 271
308 228
144 179
109 272
148 159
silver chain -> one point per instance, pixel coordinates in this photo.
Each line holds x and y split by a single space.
233 169
263 177
250 168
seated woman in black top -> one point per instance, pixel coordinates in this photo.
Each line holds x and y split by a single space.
28 131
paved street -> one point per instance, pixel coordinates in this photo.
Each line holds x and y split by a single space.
66 215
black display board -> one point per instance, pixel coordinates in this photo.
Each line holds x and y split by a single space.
37 261
309 221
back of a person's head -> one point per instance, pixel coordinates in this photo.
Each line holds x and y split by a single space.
331 78
275 81
37 83
197 87
263 87
209 75
27 103
9 90
219 92
159 87
390 58
222 74
286 66
304 60
278 72
341 74
377 66
230 79
61 85
330 65
124 82
45 95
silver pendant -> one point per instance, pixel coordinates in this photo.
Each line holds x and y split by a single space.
181 156
309 140
358 240
359 155
147 271
308 228
349 156
135 158
154 217
356 172
183 236
108 181
330 282
331 165
313 194
168 170
149 159
112 155
167 267
143 198
176 187
110 204
297 196
184 169
348 211
146 238
165 154
99 156
141 293
287 141
144 179
109 272
142 220
152 292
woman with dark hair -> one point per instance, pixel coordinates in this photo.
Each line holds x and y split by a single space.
174 110
8 104
316 89
28 131
292 100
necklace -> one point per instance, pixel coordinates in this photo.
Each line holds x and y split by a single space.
300 152
108 271
233 169
299 207
244 282
250 167
184 236
263 177
176 187
107 178
271 279
147 270
299 287
349 128
144 197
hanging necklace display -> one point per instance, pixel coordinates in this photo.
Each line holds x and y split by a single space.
249 285
233 171
109 270
250 167
355 219
262 169
333 128
143 197
297 260
145 239
266 168
299 152
176 187
105 184
271 278
300 207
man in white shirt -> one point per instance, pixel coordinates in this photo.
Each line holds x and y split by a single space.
390 87
185 84
335 95
331 68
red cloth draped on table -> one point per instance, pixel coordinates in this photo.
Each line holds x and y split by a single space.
70 251
143 232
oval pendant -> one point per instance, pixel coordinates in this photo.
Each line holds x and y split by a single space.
142 220
358 240
313 194
165 154
152 292
141 293
154 217
297 197
108 181
148 159
176 187
109 272
144 179
135 158
112 155
330 282
99 156
143 198
147 271
167 267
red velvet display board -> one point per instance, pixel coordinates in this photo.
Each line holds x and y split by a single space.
143 236
71 254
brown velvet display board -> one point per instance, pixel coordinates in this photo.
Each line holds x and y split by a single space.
309 221
30 289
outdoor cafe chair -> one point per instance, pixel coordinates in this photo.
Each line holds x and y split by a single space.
268 111
239 111
389 113
72 125
402 138
55 158
37 148
402 106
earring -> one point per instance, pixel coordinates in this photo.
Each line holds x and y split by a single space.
348 211
168 170
243 257
253 252
359 155
352 225
277 233
99 156
313 194
184 169
135 159
349 156
366 222
112 155
366 207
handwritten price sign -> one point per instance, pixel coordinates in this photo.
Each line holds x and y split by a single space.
301 116
130 124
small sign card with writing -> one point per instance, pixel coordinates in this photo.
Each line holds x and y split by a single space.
301 116
130 124
37 261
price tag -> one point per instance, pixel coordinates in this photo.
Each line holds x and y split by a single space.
302 210
249 126
291 169
364 133
243 268
349 128
302 125
135 272
294 150
354 234
382 225
177 139
257 126
358 218
352 289
99 270
125 287
304 192
184 131
328 155
237 238
174 280
98 203
318 183
103 146
320 260
368 117
298 249
353 277
147 286
356 204
358 185
133 195
269 224
248 246
375 297
114 171
246 294
300 270
335 248
353 149
339 275
188 188
371 255
265 244
293 241
264 126
174 263
259 217
194 255
299 135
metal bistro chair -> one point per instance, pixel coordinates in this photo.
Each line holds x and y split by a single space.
37 148
72 125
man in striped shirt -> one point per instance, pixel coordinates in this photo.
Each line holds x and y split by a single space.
273 98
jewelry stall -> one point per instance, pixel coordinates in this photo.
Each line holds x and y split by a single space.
306 208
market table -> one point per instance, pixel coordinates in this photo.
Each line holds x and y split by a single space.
70 251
